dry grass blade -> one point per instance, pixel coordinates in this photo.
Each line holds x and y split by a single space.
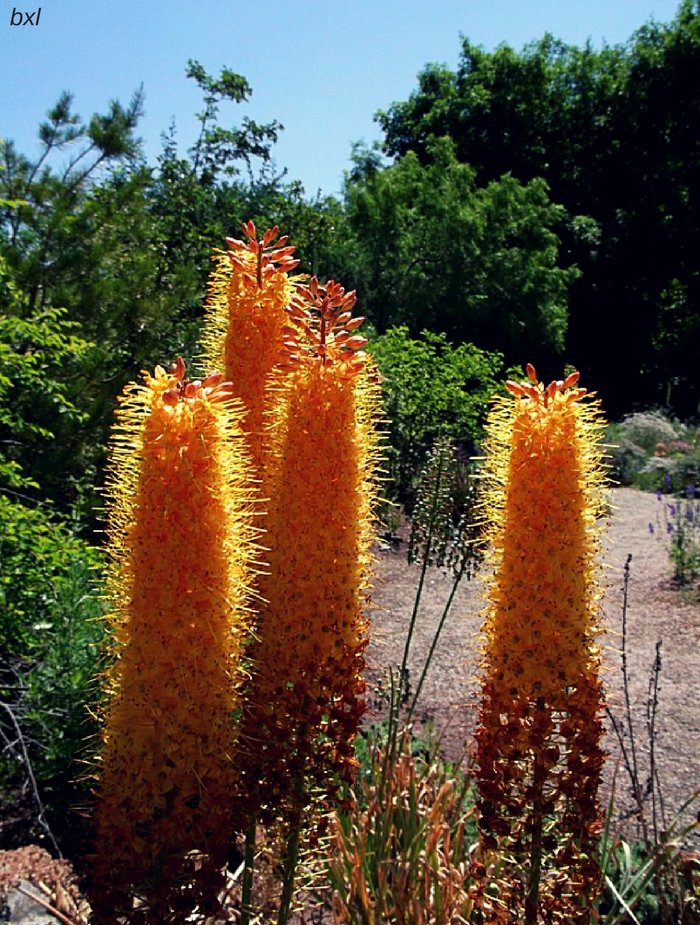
402 854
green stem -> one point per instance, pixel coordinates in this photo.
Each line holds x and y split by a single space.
248 870
397 694
436 637
414 616
532 894
394 714
424 565
389 749
291 856
288 873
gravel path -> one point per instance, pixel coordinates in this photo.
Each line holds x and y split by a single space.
656 611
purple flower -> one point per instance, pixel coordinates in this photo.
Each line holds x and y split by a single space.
679 446
690 491
668 482
651 527
672 510
669 528
658 494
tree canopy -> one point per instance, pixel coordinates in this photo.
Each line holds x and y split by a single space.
431 249
614 133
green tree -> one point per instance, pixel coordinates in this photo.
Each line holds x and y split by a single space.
614 133
40 199
123 249
219 149
36 350
431 249
48 256
547 111
200 198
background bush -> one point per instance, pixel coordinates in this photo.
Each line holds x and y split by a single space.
49 655
652 452
648 428
431 387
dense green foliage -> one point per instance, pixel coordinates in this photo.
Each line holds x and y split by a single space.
431 249
614 133
49 646
431 388
39 353
48 632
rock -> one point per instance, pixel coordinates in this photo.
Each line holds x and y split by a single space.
20 908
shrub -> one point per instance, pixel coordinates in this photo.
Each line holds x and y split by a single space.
431 387
685 469
646 429
50 640
626 459
645 449
672 473
656 471
38 554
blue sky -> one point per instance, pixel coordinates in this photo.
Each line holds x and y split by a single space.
320 67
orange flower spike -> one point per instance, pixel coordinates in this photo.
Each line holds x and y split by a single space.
306 696
245 316
544 499
181 546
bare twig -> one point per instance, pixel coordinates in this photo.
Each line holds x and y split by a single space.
652 710
23 757
629 753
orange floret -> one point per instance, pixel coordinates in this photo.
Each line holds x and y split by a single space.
180 541
306 699
538 743
246 322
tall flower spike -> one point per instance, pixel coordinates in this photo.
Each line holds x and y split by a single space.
433 518
180 543
245 322
306 694
539 756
